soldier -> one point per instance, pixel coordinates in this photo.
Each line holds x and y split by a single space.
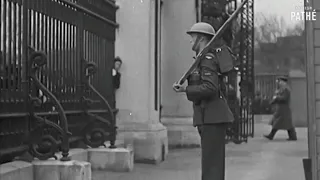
211 115
282 117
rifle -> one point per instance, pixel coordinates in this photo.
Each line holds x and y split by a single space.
208 46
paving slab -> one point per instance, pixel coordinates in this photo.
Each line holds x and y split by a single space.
259 159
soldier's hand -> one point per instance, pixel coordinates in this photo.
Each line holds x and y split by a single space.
178 88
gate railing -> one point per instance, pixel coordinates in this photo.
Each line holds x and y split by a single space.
265 83
56 58
241 40
44 147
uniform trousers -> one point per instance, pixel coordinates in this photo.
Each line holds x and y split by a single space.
213 151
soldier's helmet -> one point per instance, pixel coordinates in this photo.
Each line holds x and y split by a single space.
202 28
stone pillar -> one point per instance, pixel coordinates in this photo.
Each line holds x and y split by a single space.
178 16
313 83
138 121
298 84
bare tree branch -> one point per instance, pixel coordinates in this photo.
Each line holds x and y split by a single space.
270 27
297 30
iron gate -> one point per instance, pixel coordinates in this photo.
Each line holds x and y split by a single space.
56 61
265 83
246 57
240 85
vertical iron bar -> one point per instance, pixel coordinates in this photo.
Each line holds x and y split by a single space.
5 54
156 68
69 77
252 58
80 54
24 64
55 49
60 50
20 45
242 78
14 50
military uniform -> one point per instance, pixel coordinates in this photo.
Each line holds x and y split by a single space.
212 115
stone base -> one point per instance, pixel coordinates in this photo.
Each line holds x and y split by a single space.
105 159
59 170
76 154
149 141
17 170
118 144
181 132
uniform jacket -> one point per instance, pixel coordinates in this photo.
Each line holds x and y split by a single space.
209 104
282 118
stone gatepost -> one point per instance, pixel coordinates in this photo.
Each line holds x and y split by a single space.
138 118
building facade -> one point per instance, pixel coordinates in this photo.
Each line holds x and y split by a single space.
177 56
138 99
285 54
313 83
156 51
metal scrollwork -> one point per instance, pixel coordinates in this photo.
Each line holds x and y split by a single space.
45 146
95 136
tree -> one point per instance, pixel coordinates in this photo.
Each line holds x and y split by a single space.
286 52
296 30
268 28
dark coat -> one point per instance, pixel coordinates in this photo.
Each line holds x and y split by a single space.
265 106
116 80
209 104
282 118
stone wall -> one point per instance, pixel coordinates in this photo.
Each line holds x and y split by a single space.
313 82
316 5
138 118
298 84
177 55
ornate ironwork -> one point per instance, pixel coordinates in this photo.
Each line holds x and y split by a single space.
247 70
45 147
239 37
94 135
34 86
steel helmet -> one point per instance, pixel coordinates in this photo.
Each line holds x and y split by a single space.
203 28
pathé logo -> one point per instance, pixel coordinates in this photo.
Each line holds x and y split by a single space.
304 13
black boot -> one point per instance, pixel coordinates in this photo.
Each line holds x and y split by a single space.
292 135
271 135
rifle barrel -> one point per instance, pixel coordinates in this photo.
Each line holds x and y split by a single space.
215 37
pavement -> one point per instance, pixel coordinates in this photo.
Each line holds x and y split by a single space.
259 159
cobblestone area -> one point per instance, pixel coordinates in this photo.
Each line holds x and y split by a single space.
259 159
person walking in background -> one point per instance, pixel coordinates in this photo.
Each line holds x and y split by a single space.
282 118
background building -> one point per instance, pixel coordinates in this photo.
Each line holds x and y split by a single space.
156 51
287 53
